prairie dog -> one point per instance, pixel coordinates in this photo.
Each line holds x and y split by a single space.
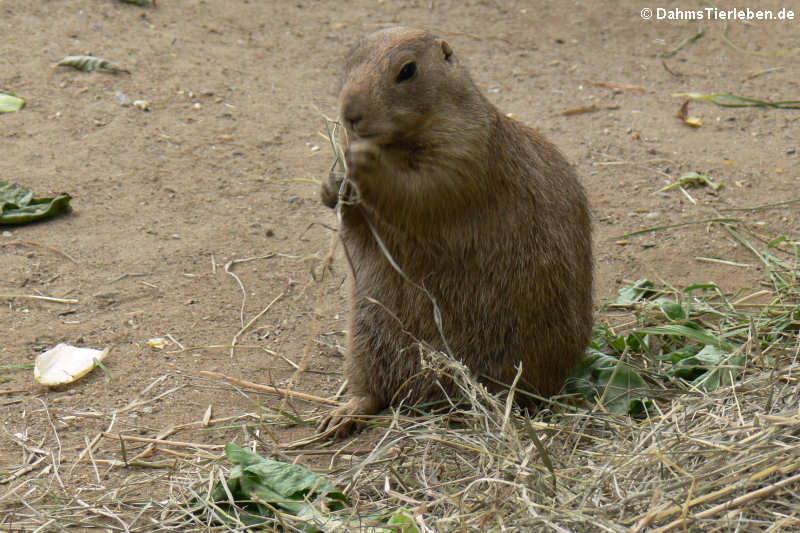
475 207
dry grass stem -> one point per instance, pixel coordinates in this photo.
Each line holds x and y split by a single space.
177 444
50 299
268 388
252 321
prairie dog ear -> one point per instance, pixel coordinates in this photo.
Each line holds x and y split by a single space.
446 49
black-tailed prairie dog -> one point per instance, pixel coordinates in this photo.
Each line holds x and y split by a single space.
477 210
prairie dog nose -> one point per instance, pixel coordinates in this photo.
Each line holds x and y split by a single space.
352 119
354 109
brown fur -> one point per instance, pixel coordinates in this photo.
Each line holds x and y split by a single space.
482 211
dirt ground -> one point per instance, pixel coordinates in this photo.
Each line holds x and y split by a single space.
223 167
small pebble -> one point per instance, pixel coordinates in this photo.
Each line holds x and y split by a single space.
122 99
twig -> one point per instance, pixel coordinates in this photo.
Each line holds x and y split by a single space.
42 298
55 433
619 86
268 388
722 261
778 205
227 267
666 67
252 320
679 225
587 109
175 443
22 471
752 75
86 450
138 403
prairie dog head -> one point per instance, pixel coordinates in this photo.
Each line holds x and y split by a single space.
397 82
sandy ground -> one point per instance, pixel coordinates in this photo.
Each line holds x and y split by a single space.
223 167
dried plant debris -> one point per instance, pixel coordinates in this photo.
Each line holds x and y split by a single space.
683 43
732 100
10 103
693 179
683 114
141 3
91 64
18 205
588 109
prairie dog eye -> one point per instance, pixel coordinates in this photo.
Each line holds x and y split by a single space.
407 72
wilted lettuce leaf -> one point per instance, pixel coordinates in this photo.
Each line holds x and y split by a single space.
18 206
10 103
625 390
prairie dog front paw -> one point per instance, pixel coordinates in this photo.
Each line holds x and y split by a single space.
344 420
329 192
362 158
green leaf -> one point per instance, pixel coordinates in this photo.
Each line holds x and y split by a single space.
104 368
90 64
10 103
672 310
634 292
292 482
603 376
689 330
14 194
705 289
636 342
676 356
776 241
710 368
693 178
18 206
604 339
403 522
242 457
259 485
